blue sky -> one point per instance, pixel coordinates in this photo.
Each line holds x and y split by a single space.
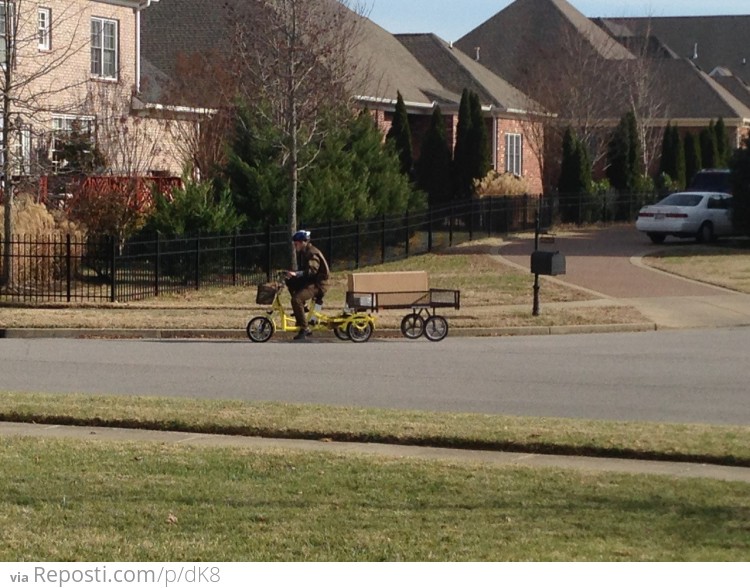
452 19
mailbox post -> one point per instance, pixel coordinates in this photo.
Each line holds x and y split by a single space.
545 263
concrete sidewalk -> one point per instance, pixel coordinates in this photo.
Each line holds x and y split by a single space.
497 458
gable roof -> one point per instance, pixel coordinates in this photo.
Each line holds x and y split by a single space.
708 41
174 27
532 34
534 29
455 71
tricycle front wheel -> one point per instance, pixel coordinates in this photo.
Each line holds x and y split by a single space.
260 329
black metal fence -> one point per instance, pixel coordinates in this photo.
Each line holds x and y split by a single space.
72 269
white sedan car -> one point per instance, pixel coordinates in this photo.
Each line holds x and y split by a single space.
700 215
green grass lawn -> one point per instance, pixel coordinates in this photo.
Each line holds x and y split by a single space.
98 501
90 500
95 500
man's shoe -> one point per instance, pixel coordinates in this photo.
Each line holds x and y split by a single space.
302 335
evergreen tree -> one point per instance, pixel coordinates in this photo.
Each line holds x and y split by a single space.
723 147
356 175
625 163
673 156
624 155
635 152
618 160
471 158
254 173
709 149
666 161
680 173
461 152
435 168
80 155
400 135
692 156
192 209
479 146
575 179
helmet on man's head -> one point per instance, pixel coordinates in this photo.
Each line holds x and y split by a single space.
301 236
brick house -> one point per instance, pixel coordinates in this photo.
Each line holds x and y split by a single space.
76 64
691 69
424 69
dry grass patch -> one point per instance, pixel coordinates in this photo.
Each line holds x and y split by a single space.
720 265
493 294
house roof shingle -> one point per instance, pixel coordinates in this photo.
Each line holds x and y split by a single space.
173 27
533 33
455 71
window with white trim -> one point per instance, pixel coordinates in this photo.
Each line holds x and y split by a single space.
514 154
63 125
44 20
6 30
104 42
22 163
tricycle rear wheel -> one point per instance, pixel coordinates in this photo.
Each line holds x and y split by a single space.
359 331
340 333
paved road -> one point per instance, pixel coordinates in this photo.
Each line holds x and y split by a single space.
695 375
607 262
670 376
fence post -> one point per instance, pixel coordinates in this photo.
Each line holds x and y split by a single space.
268 253
198 261
471 219
357 236
450 225
489 216
234 258
113 269
406 236
157 264
68 267
382 239
429 229
330 243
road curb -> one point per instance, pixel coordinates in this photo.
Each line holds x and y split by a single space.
84 333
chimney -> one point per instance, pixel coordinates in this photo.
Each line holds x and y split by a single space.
695 51
476 50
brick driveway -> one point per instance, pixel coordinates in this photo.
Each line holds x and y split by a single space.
600 260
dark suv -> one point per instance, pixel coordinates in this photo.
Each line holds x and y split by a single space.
712 180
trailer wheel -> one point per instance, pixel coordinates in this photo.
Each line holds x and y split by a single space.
412 326
436 328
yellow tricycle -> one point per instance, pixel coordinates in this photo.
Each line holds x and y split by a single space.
349 325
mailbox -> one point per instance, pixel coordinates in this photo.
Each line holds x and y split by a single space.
547 263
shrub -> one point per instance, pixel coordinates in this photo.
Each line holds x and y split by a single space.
39 249
497 184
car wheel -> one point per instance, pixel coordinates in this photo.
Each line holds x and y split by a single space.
657 238
705 233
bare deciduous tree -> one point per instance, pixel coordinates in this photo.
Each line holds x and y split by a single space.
29 82
295 67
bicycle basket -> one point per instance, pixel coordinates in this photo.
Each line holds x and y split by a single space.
266 293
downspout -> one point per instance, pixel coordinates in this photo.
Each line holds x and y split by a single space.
141 5
495 143
138 50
